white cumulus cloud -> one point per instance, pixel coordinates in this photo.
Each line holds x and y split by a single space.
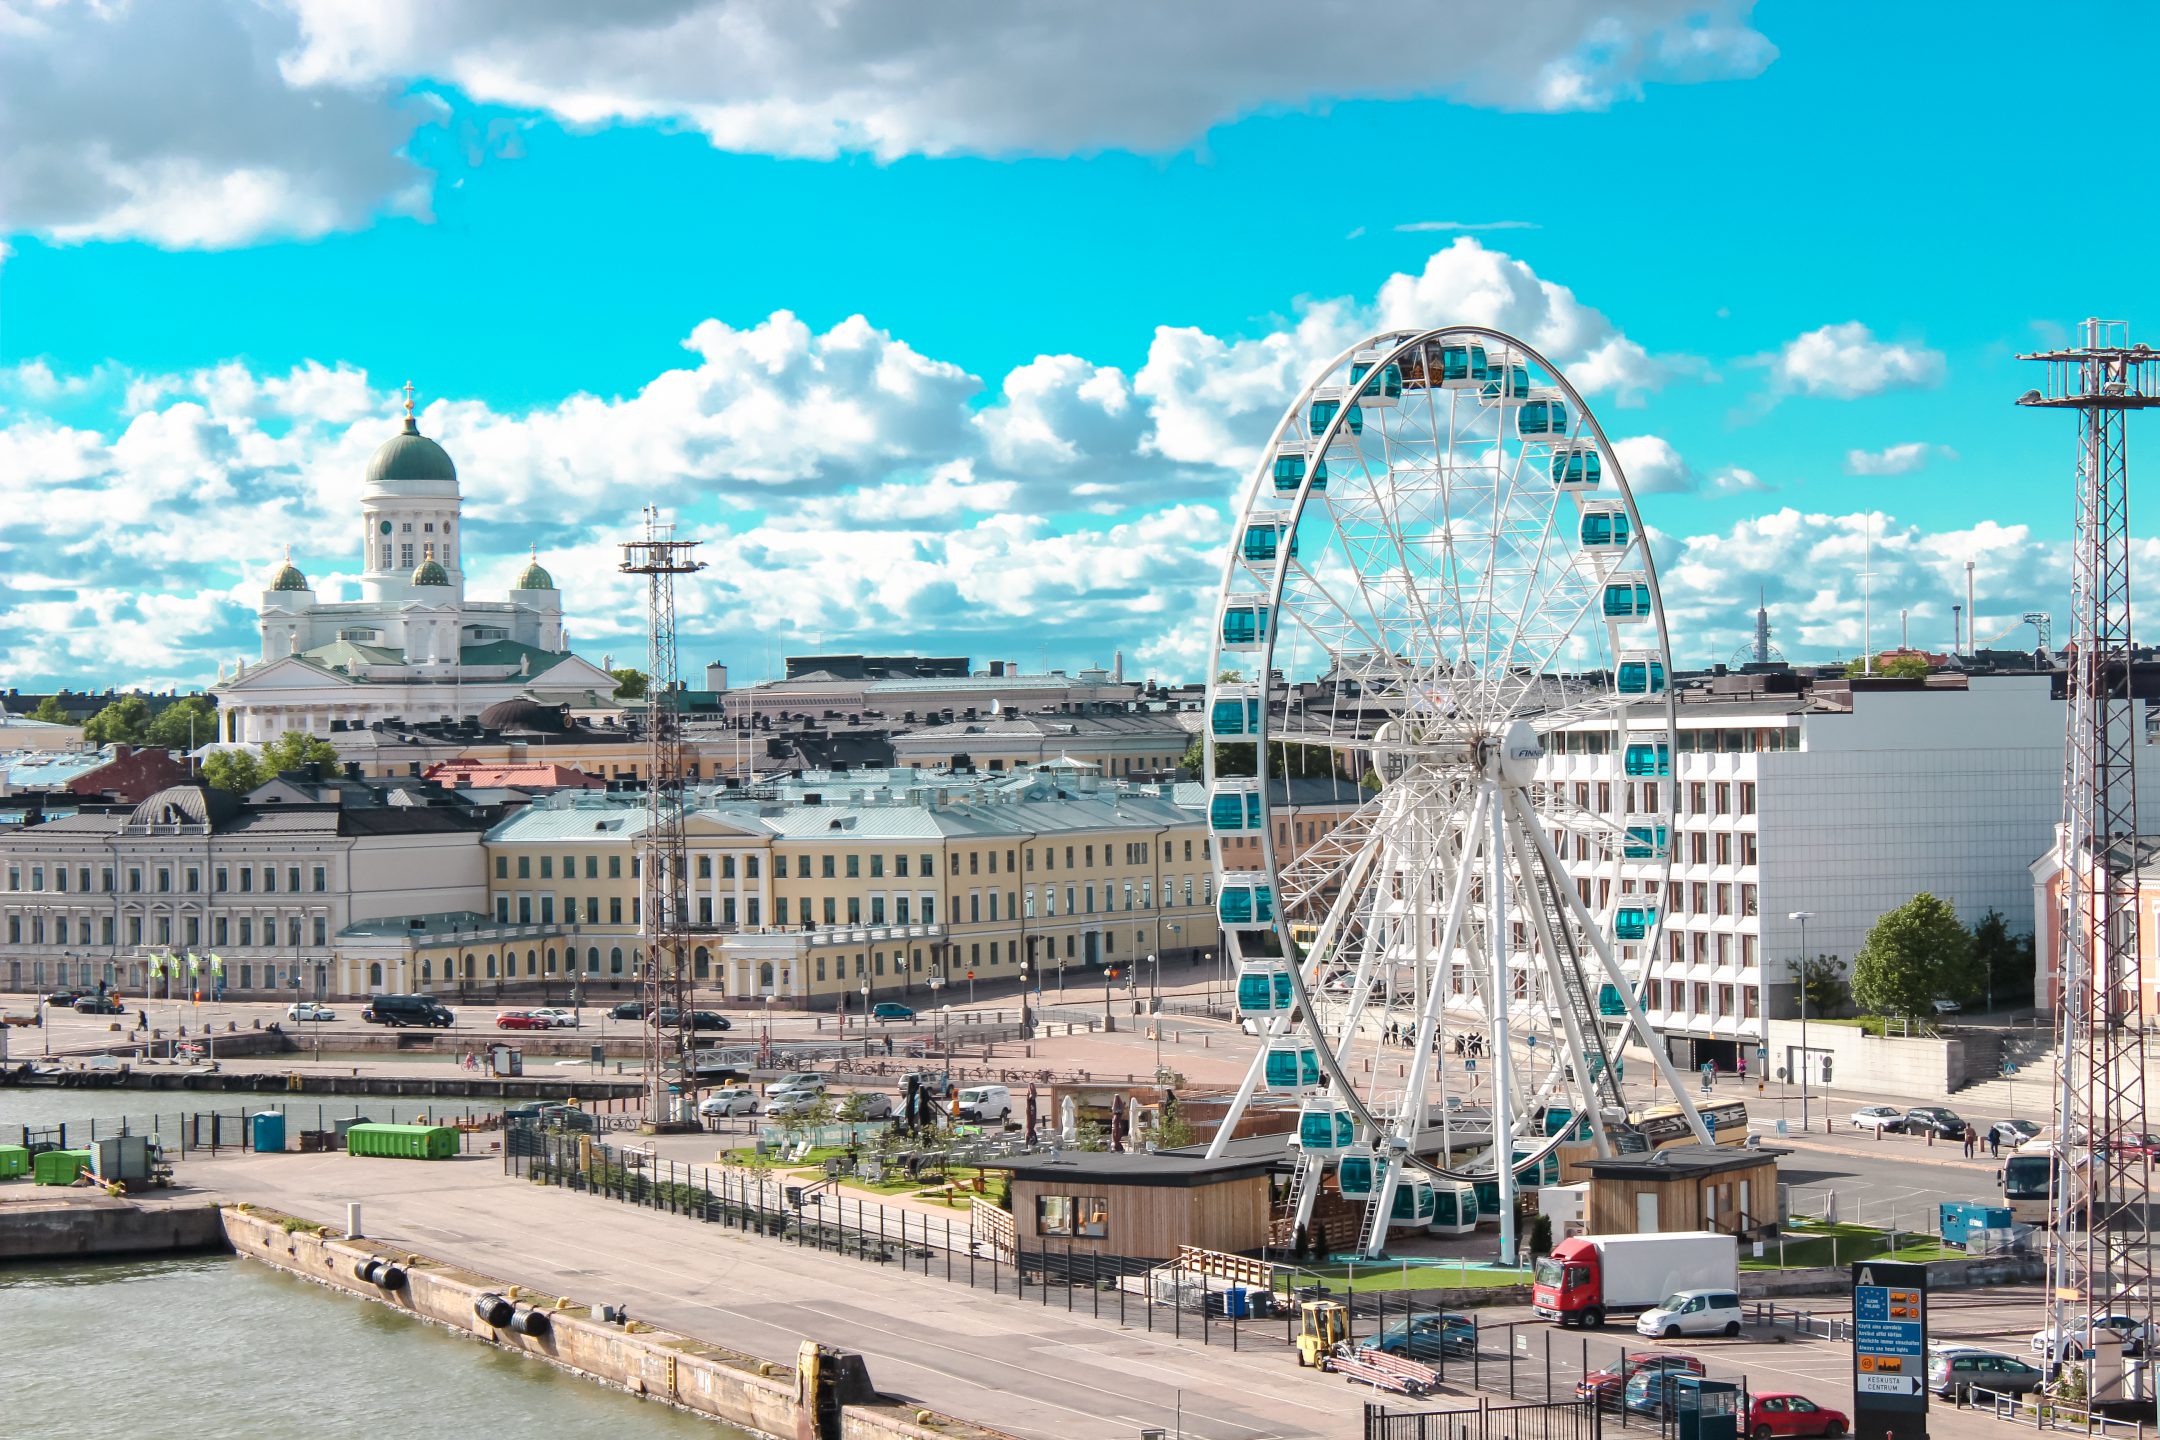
1845 362
1896 459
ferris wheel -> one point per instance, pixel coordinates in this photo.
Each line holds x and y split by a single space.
1439 580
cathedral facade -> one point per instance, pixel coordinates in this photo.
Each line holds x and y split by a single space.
412 647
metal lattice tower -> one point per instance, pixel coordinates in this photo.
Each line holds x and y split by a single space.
664 883
2103 1260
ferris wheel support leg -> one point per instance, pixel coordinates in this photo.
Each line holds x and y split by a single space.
1245 1090
1410 1118
1579 1050
1502 994
1361 983
1637 1020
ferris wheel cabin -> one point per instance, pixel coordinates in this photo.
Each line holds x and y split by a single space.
1627 597
1356 1172
1633 922
1290 466
1325 403
1375 384
1605 526
1640 673
1245 622
1325 1126
1234 807
1263 537
1578 468
1414 1202
1542 420
1291 1065
1234 713
1506 383
1263 990
1647 759
1246 902
1455 1209
1644 842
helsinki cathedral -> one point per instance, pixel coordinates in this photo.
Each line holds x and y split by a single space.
412 648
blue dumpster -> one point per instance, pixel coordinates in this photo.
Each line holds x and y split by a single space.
1235 1304
269 1126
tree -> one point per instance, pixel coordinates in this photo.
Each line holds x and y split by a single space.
1897 667
121 723
296 750
186 723
2004 961
52 712
1910 956
232 770
1233 760
1823 980
629 683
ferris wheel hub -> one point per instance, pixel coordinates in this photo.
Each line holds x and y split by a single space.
1511 757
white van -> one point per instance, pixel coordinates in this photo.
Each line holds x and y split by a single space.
986 1104
1693 1312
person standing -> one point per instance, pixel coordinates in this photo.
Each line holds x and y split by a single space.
1972 1140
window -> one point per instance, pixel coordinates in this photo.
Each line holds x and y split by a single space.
547 867
592 867
704 867
1082 1217
854 867
877 867
614 909
826 867
322 879
614 867
974 862
524 867
502 868
322 930
926 868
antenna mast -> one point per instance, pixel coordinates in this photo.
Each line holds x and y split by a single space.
664 884
2103 1261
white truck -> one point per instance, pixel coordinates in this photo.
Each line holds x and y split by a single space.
1592 1276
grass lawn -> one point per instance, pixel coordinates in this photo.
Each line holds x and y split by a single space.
1813 1245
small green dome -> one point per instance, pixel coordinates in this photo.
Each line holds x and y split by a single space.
288 576
431 573
410 455
533 577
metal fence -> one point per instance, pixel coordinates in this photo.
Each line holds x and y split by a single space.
188 1132
1560 1420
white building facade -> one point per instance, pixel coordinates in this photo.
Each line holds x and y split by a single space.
1841 805
412 647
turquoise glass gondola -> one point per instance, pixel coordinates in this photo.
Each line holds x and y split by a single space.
1605 529
1641 677
1649 760
1644 842
1325 1127
1323 411
1244 624
1263 991
1542 420
1382 388
1355 1174
1290 1066
1633 922
1627 600
1231 811
1290 473
1609 1001
1245 903
1577 469
1510 382
1264 537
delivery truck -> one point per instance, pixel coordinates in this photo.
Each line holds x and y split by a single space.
1592 1276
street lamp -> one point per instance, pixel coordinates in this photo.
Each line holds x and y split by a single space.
866 1014
1154 986
1800 979
936 982
1027 964
1109 974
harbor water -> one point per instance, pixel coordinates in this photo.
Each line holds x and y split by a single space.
218 1346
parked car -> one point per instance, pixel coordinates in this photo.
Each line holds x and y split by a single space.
867 1105
1609 1387
309 1010
1783 1413
1427 1337
1877 1117
891 1010
1955 1374
557 1017
985 1104
2130 1144
63 997
520 1020
709 1020
1692 1312
729 1100
2012 1133
628 1010
801 1080
99 1005
937 1082
1944 1005
1652 1392
793 1102
1945 1122
2078 1337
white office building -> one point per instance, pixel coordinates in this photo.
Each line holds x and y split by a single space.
1842 802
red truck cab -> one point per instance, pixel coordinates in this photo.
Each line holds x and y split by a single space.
1567 1284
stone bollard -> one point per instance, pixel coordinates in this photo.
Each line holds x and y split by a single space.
352 1220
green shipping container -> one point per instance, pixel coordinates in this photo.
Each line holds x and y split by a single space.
14 1162
59 1167
402 1142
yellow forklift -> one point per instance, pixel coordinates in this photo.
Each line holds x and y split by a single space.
1323 1326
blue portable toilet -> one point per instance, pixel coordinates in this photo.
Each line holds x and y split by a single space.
269 1127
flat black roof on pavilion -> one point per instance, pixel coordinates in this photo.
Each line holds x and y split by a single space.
1132 1168
1691 1160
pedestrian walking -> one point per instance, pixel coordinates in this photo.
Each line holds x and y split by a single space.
1994 1144
888 1046
1972 1140
142 1019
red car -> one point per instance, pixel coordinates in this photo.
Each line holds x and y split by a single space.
520 1020
1607 1387
1787 1414
2146 1145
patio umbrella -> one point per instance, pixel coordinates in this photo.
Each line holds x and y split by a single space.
1031 1115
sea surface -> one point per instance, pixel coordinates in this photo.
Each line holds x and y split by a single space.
216 1347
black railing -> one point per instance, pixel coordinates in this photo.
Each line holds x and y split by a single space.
1560 1420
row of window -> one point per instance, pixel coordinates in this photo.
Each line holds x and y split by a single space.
160 930
1702 998
162 878
1704 948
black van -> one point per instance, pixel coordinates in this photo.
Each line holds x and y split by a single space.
407 1010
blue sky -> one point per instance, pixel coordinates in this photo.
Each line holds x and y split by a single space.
1779 234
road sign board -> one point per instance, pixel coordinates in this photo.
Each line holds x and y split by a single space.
1890 1396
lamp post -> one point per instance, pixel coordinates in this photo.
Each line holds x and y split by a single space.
866 1014
936 982
1154 986
1027 965
1108 975
1800 979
